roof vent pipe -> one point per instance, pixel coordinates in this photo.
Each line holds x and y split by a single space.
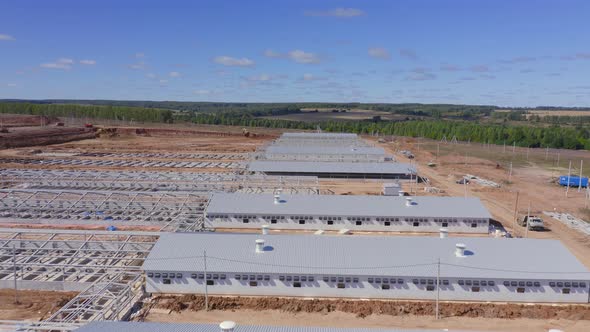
401 193
227 326
277 198
259 246
444 233
460 249
409 201
265 229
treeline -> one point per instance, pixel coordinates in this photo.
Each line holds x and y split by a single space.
435 110
553 137
90 111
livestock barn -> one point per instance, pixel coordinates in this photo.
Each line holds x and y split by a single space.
461 268
336 212
335 170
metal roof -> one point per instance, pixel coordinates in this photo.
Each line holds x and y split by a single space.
366 255
331 167
320 135
314 149
347 205
186 327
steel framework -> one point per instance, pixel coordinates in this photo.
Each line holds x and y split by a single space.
104 266
151 181
167 211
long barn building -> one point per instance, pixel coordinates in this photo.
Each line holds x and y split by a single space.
334 169
336 212
464 269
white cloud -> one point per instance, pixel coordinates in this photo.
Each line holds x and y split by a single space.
6 37
202 92
337 12
379 53
138 66
260 78
300 56
272 54
174 74
139 55
151 75
163 81
11 85
308 77
65 61
229 61
88 62
61 63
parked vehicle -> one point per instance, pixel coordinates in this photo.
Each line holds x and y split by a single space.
534 222
462 181
574 181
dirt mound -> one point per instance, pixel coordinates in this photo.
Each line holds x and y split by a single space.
362 308
17 120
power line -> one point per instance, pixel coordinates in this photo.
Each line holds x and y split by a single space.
433 264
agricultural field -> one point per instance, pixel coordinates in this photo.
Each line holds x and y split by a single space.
329 114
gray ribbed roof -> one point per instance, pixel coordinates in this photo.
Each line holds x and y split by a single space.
319 135
184 327
348 205
330 167
315 149
366 255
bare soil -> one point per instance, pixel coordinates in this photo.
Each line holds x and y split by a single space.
32 305
531 181
22 120
366 313
31 136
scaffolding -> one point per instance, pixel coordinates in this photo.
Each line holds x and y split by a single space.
168 211
151 181
68 259
104 266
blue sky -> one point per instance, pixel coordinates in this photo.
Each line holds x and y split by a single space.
514 53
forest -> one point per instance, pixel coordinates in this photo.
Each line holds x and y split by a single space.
476 123
90 111
527 136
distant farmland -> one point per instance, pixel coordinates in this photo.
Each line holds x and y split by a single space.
319 115
550 112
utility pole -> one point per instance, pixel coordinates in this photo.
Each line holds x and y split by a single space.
546 152
528 216
437 150
569 174
514 147
15 271
510 173
206 288
504 151
437 289
527 153
581 168
516 210
465 187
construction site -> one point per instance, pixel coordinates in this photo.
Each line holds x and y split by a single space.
81 216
